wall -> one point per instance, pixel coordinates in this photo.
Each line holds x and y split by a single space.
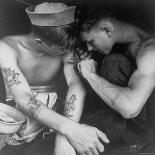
13 19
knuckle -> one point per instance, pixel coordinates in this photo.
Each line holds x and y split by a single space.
91 145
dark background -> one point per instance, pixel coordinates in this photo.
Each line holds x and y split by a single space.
13 19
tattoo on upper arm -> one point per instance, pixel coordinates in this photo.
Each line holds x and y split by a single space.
34 106
74 59
70 106
10 76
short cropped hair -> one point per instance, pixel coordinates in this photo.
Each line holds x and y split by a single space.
91 15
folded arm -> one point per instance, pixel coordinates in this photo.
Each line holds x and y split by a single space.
74 103
22 94
128 101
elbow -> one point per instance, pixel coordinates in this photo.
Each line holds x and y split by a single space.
130 112
129 107
129 115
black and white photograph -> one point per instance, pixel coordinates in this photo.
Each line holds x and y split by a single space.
77 77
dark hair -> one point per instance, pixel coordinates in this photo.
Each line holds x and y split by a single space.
90 16
63 36
124 10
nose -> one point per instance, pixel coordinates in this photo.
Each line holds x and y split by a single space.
90 47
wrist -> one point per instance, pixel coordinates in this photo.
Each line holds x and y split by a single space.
60 137
66 127
91 76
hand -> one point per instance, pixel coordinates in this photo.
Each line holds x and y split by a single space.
86 139
87 67
62 146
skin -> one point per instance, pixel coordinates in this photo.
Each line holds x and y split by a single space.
26 60
128 101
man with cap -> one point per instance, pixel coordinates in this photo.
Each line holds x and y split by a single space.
31 65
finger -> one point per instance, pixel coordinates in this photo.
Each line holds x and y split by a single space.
95 63
92 62
89 153
100 147
95 152
85 125
86 153
79 67
102 136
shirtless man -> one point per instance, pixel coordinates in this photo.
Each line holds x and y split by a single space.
34 61
102 32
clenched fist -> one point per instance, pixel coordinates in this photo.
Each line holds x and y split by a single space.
87 67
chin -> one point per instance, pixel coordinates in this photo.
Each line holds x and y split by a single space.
105 52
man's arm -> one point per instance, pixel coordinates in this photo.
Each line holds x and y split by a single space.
73 106
72 110
128 101
23 96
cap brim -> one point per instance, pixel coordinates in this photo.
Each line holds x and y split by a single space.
58 18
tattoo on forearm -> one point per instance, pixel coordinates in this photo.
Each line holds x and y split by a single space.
35 93
34 107
10 76
70 106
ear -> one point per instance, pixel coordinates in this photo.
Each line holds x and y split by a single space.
39 41
108 29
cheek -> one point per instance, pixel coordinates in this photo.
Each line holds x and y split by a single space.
107 42
101 43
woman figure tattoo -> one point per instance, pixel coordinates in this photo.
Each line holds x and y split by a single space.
70 106
34 107
11 77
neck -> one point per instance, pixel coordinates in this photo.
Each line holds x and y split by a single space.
29 43
125 33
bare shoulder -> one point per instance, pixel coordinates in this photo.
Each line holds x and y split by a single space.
8 46
145 55
146 46
146 58
143 41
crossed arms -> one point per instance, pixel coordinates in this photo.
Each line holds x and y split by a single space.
34 108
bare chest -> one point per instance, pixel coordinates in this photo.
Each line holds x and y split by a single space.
40 70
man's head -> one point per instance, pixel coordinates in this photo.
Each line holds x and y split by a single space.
53 25
97 29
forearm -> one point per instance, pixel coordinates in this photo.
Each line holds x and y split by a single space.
114 96
26 101
37 110
73 106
